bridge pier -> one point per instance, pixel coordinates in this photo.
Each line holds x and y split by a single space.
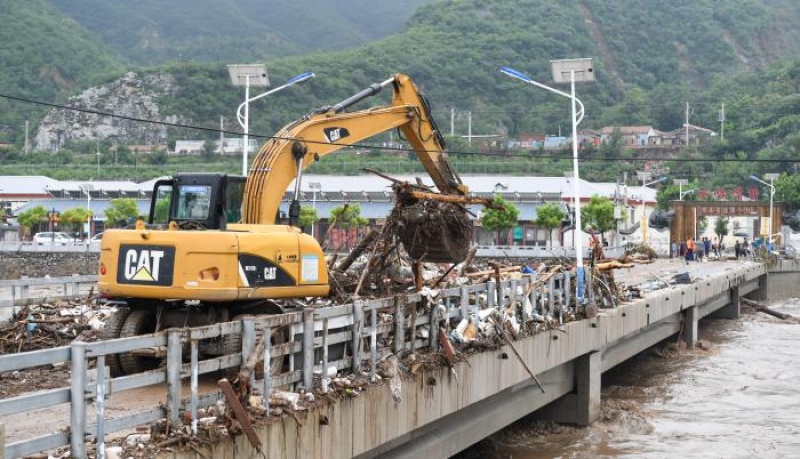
582 406
733 308
691 316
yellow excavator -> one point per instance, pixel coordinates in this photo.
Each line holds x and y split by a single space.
211 249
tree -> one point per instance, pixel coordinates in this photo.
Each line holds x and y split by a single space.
75 218
346 217
787 189
721 228
549 216
120 211
308 216
502 215
599 213
208 152
31 219
162 210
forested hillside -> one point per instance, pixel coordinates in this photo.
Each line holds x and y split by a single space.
232 31
43 56
651 59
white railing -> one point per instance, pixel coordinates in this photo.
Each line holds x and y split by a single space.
359 326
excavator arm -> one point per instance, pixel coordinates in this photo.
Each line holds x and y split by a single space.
284 157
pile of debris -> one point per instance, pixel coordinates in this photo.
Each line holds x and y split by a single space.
52 324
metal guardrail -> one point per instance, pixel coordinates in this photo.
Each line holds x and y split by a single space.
534 251
24 291
29 246
357 326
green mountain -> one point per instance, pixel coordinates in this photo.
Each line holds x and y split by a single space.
229 31
650 58
44 56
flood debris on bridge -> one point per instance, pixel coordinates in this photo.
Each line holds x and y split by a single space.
490 327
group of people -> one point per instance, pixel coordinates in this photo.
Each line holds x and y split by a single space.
743 249
690 250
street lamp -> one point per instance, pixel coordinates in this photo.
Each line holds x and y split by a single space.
87 188
681 183
315 186
771 178
568 70
98 161
644 176
256 75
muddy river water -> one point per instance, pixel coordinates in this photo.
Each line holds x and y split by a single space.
739 398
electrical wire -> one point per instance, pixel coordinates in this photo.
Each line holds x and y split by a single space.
550 156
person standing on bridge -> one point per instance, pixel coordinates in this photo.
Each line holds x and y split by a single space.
691 247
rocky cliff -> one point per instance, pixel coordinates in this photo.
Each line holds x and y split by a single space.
111 111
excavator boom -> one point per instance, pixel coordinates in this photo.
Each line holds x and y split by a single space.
293 149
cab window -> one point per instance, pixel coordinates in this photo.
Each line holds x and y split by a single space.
233 201
194 202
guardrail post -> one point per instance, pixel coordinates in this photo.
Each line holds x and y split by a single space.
325 379
100 404
267 367
373 342
194 351
308 348
399 330
77 440
174 362
491 291
358 324
513 294
464 303
433 326
248 342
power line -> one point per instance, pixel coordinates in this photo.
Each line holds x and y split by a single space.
554 156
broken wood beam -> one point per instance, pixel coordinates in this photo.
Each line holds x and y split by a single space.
355 253
240 413
761 308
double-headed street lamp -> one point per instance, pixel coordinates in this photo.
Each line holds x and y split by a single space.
681 183
644 176
771 178
255 75
568 71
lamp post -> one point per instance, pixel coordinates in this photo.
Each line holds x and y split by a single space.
644 176
771 178
315 186
569 70
87 188
681 183
255 75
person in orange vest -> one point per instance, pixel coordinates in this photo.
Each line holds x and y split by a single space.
691 247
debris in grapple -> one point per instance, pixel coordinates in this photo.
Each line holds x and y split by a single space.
434 231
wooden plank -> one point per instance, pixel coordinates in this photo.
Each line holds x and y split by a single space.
239 412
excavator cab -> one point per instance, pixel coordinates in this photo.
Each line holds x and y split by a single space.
197 201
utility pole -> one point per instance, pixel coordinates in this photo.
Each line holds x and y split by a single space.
687 124
222 135
452 122
469 127
722 122
27 148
